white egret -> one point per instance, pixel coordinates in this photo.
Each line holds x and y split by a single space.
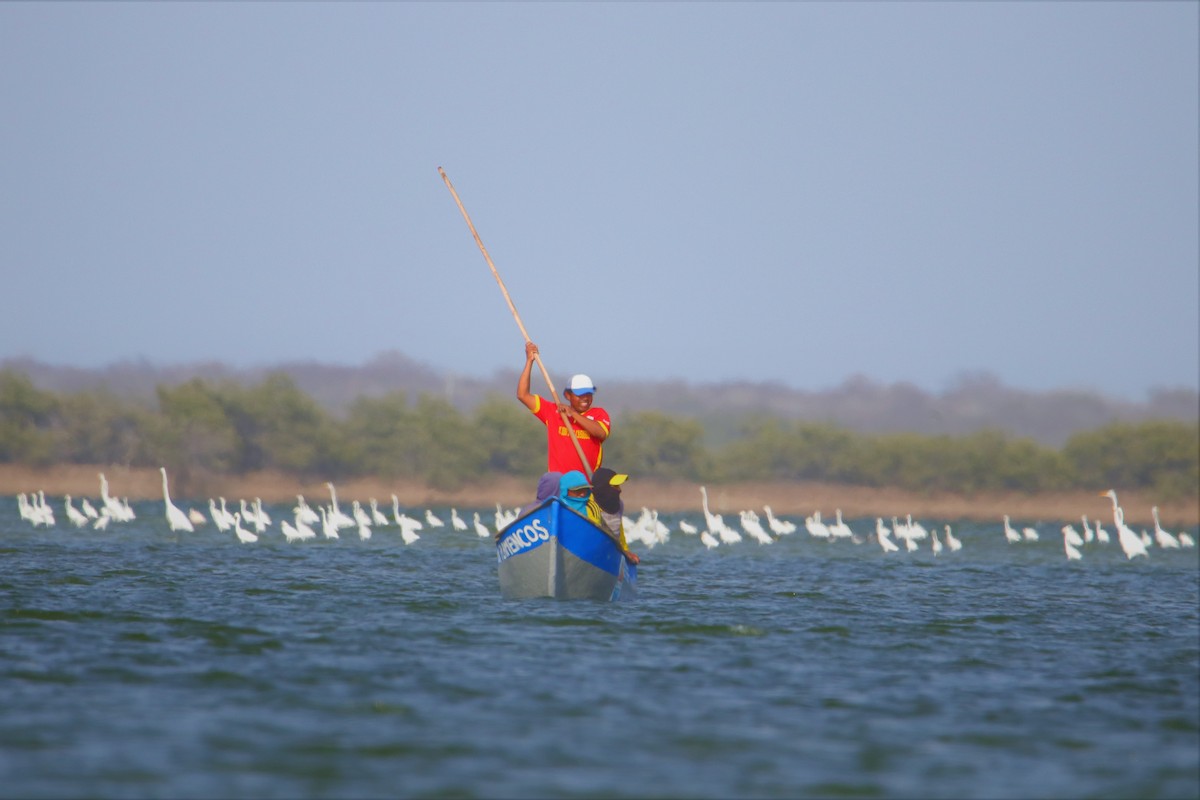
1164 538
248 515
1130 543
328 529
217 517
409 528
377 516
780 526
226 515
915 529
1071 542
289 531
815 527
114 508
77 517
752 526
261 513
503 518
883 535
362 521
176 519
101 523
304 512
244 536
303 529
45 512
716 523
840 529
335 516
1072 536
88 509
954 544
360 514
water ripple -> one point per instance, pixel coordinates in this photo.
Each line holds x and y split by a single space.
141 664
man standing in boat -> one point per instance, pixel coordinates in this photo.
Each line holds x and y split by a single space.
590 423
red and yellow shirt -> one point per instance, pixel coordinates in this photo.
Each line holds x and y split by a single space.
561 455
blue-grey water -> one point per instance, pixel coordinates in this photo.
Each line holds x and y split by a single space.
136 662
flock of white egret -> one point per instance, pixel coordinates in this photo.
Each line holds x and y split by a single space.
251 520
648 530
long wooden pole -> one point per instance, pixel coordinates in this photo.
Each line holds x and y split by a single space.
587 470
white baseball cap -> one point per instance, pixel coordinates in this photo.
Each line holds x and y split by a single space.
581 384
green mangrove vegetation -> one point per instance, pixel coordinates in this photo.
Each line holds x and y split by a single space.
201 427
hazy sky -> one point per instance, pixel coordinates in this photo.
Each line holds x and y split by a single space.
793 192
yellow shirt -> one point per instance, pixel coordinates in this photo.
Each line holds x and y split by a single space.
596 515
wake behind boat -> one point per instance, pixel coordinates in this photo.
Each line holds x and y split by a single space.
552 551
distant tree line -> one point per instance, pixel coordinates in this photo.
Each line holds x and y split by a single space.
970 402
200 428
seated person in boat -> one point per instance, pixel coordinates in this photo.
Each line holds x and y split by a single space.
579 496
606 498
547 487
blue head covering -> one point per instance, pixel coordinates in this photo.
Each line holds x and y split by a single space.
573 480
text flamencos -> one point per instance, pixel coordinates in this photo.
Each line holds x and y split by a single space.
522 539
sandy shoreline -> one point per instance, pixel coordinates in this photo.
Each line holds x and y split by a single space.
792 499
